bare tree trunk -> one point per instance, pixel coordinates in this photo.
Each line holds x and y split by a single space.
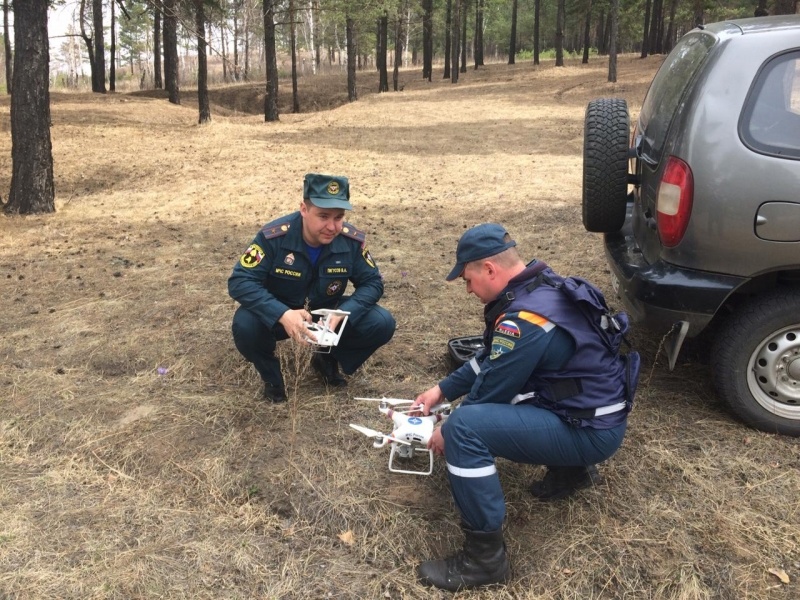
646 30
352 94
478 49
7 47
398 52
454 45
560 16
447 24
99 47
293 42
202 63
427 39
271 98
537 5
171 63
32 189
383 34
512 44
236 6
612 46
586 33
464 7
158 82
112 70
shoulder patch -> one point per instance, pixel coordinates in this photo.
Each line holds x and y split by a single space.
535 319
273 230
354 234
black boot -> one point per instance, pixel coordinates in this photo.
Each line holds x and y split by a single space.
274 393
560 482
482 561
328 369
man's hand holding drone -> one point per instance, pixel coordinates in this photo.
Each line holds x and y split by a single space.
422 405
294 323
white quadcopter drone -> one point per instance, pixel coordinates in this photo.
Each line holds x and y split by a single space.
410 435
321 334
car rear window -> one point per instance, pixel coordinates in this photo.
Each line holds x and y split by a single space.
668 87
770 123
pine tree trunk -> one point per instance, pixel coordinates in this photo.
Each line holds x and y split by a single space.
32 189
158 82
171 63
537 5
99 70
293 42
455 31
202 63
512 44
612 46
464 36
560 33
427 39
271 98
352 94
587 33
7 47
447 23
112 70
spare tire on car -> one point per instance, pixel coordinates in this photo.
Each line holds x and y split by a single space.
606 135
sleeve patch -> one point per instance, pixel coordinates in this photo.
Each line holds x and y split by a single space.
500 346
367 257
508 328
252 257
535 319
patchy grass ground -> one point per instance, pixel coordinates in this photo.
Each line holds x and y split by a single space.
136 460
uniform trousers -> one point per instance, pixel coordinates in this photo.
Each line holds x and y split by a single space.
474 435
257 342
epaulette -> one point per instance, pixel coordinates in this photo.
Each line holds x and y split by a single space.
275 229
356 234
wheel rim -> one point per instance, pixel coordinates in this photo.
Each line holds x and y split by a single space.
773 374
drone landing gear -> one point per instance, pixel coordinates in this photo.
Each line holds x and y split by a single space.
406 453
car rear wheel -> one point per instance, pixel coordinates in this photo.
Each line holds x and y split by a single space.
605 164
756 362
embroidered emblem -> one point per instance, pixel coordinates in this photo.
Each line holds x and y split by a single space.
288 272
333 288
252 256
500 346
289 260
508 328
337 271
367 257
333 188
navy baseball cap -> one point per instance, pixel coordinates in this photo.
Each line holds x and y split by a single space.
482 241
327 191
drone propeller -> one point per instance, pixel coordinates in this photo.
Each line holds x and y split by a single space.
377 434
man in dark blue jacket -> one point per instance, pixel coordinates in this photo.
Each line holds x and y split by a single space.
546 390
299 263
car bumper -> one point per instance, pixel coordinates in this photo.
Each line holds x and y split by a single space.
660 294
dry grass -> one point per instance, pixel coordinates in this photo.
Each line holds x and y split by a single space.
120 480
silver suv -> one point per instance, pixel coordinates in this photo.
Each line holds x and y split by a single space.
700 207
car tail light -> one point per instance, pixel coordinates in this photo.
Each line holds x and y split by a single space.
674 201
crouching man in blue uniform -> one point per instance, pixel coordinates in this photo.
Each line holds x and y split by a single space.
299 263
545 390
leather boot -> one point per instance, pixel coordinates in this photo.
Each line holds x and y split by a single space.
560 482
482 561
328 369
